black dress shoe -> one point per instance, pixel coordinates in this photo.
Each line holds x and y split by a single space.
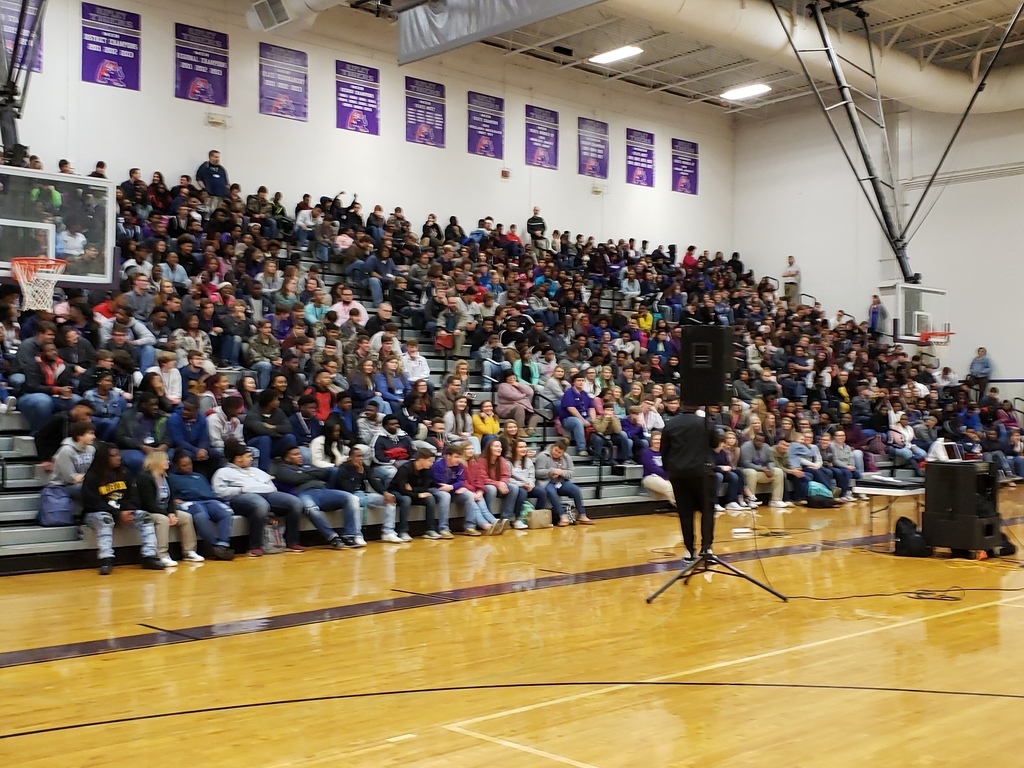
106 566
152 564
224 553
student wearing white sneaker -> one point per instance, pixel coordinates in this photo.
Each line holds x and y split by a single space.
759 467
525 474
411 485
353 477
726 473
732 448
655 480
154 494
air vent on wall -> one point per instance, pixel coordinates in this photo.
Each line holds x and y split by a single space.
271 13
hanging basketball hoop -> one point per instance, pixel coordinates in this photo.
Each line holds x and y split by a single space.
935 338
37 276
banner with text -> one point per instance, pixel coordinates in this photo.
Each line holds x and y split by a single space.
111 47
424 112
200 65
486 125
284 82
685 166
639 158
357 90
593 148
10 12
541 137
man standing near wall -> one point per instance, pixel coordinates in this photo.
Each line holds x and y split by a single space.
213 177
536 227
791 282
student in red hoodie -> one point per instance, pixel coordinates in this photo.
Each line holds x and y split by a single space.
321 390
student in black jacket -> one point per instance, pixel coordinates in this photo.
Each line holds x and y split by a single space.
48 387
267 429
53 433
294 476
411 485
108 498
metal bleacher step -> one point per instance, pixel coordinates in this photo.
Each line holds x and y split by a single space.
34 534
17 446
19 502
45 548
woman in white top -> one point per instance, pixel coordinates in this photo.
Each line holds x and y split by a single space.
458 424
270 278
552 391
525 474
327 449
167 368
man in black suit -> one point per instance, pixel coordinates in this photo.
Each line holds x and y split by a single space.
687 443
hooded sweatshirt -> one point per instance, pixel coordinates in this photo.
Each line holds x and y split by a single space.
231 480
71 459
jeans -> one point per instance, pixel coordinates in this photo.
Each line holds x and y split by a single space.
843 478
103 524
262 370
258 507
385 473
733 485
212 520
511 502
908 452
231 350
554 490
270 447
443 502
576 427
799 490
475 513
376 500
319 500
105 426
376 290
355 269
38 407
493 370
302 237
405 502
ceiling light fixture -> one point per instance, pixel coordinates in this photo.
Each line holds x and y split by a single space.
625 52
746 92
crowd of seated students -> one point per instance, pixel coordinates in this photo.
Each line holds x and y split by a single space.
334 410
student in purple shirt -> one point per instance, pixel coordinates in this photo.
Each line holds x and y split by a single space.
575 413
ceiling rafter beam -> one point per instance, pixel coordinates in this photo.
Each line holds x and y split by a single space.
705 75
644 41
563 36
885 26
662 63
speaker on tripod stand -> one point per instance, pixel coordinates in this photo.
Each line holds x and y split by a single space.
706 363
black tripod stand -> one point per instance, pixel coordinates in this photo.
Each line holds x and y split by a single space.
705 562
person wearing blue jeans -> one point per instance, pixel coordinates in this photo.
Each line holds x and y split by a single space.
413 484
47 388
267 428
448 482
251 493
554 468
108 498
353 478
310 484
575 412
193 493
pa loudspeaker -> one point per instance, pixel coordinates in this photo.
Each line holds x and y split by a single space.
706 365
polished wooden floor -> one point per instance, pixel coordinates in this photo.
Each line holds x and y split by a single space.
717 673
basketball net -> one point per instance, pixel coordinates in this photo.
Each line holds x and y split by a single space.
37 276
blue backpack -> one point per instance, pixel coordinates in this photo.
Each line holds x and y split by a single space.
55 507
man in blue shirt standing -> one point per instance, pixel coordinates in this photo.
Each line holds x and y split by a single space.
575 413
213 177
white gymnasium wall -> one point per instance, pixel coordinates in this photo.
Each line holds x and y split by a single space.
154 131
795 194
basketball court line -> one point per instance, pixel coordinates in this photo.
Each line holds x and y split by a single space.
461 726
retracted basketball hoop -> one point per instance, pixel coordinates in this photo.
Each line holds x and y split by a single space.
37 276
935 338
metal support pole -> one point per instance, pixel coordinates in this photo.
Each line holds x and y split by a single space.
892 229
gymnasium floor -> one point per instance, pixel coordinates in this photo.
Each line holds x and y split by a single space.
525 650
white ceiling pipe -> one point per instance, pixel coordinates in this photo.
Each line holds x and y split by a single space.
750 28
302 13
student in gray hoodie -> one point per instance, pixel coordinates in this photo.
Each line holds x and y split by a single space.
73 458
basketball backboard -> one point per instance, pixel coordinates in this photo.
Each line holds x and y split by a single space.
914 310
60 216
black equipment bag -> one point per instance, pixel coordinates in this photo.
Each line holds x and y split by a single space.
909 541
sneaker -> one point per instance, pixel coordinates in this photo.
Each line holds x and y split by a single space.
790 504
847 498
223 553
778 505
11 403
753 502
358 541
192 557
499 526
446 534
862 497
583 454
168 563
431 535
153 564
405 536
629 463
719 508
296 549
106 566
390 538
471 532
519 525
732 506
255 552
339 542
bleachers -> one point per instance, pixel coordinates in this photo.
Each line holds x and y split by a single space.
25 546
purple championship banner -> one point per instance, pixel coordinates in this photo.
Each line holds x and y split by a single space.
541 137
486 125
639 158
111 47
357 93
685 166
593 148
200 65
284 82
424 112
10 12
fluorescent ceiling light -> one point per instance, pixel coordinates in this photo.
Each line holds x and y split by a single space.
746 92
625 52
